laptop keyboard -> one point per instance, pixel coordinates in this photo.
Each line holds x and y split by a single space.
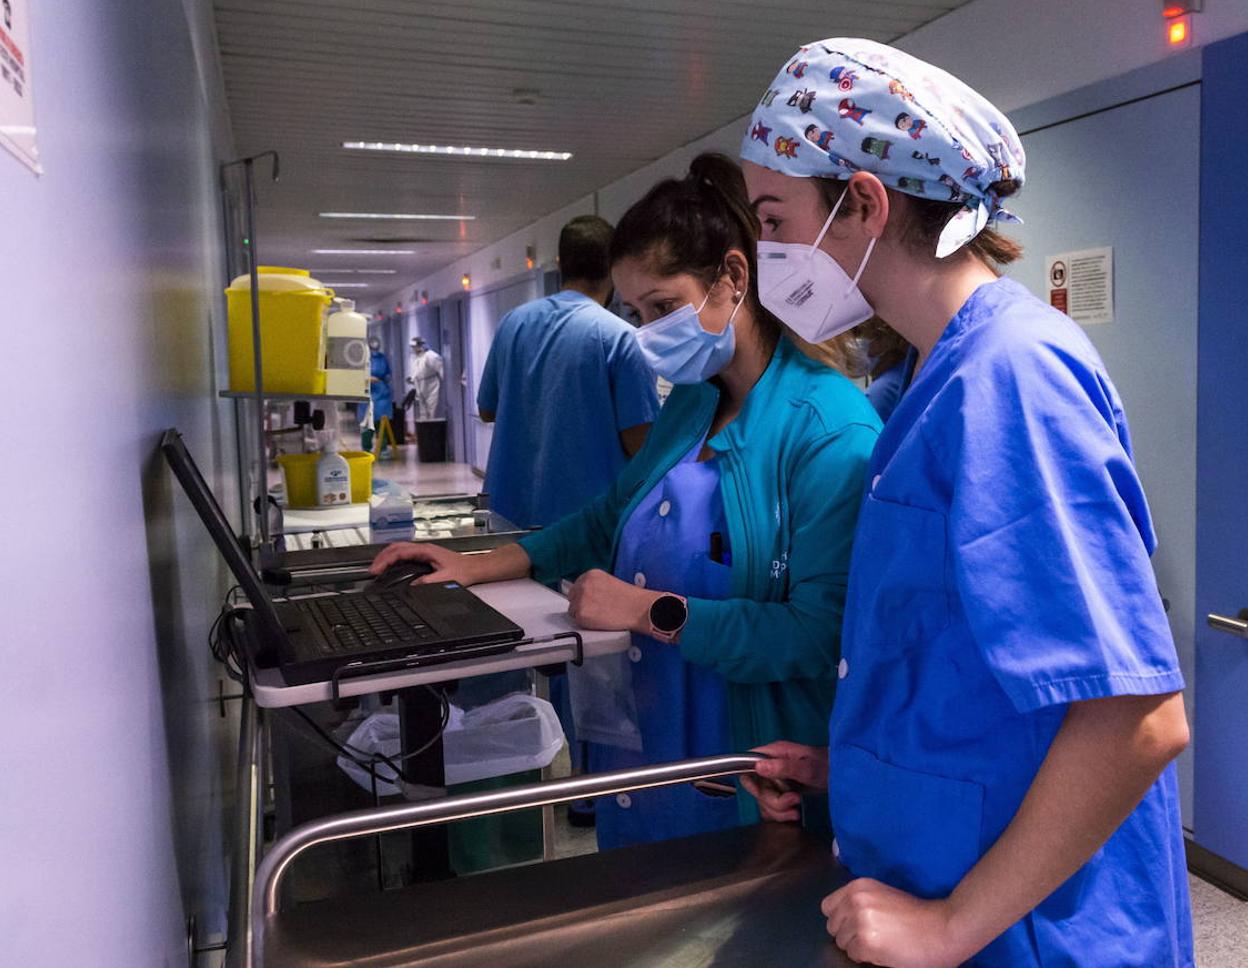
355 623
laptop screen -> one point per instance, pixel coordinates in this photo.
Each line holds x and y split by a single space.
218 526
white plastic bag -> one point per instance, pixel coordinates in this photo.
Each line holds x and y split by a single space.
509 735
604 708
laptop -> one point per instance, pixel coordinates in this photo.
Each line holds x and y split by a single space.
312 639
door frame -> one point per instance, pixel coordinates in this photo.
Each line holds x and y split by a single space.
1221 804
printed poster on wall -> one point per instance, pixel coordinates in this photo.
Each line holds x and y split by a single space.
1081 284
17 106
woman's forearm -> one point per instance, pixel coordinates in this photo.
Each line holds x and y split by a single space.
1103 760
502 564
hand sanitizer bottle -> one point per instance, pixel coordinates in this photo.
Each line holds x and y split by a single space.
346 357
333 476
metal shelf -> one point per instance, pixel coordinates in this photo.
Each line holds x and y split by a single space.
251 395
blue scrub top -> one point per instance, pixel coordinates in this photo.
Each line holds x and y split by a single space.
1001 571
383 399
885 390
564 376
682 708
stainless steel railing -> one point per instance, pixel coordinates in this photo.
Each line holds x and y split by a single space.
366 823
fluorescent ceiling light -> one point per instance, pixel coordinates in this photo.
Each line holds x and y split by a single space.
401 217
363 251
458 151
352 272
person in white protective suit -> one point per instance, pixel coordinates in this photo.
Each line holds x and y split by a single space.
425 370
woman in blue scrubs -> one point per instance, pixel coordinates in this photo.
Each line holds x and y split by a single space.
999 765
378 389
724 544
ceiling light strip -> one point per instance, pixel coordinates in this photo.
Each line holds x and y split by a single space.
400 216
457 151
363 251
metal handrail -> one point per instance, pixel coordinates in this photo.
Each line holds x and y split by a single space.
367 823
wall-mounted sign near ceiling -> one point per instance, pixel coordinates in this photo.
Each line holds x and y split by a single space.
17 106
1081 284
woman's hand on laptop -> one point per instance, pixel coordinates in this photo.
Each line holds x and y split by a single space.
509 561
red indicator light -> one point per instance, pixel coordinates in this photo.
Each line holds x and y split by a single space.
1179 32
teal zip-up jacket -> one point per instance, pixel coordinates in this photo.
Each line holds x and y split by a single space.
791 473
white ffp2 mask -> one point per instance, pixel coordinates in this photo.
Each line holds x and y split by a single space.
808 291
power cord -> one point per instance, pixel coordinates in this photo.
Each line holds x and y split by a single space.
369 761
223 639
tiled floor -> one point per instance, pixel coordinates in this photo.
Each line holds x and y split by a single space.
406 470
427 479
1221 927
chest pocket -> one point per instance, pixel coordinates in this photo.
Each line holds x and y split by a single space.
899 584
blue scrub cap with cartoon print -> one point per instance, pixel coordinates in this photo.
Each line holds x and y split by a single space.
845 104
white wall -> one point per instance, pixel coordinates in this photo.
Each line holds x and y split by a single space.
1020 52
1015 52
111 764
1150 348
510 252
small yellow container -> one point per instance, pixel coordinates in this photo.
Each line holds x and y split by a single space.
299 473
292 331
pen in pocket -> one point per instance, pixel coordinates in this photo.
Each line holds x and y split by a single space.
717 553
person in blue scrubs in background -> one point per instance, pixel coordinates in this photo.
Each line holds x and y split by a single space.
568 391
379 390
890 364
571 399
724 545
999 770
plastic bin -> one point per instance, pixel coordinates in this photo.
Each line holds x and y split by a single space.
292 331
431 441
486 843
496 745
299 474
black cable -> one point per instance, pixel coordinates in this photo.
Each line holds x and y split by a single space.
223 639
223 642
231 648
368 761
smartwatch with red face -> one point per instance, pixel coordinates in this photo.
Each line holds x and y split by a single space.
668 615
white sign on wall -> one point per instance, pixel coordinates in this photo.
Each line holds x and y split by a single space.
1081 284
17 106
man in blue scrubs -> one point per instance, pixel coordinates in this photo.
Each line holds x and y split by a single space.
571 398
567 388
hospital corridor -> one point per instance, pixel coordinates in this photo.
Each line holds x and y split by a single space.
624 484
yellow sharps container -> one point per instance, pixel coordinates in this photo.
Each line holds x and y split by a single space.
292 331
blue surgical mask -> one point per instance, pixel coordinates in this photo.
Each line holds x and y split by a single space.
680 350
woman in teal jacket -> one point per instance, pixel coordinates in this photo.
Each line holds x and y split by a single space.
724 545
